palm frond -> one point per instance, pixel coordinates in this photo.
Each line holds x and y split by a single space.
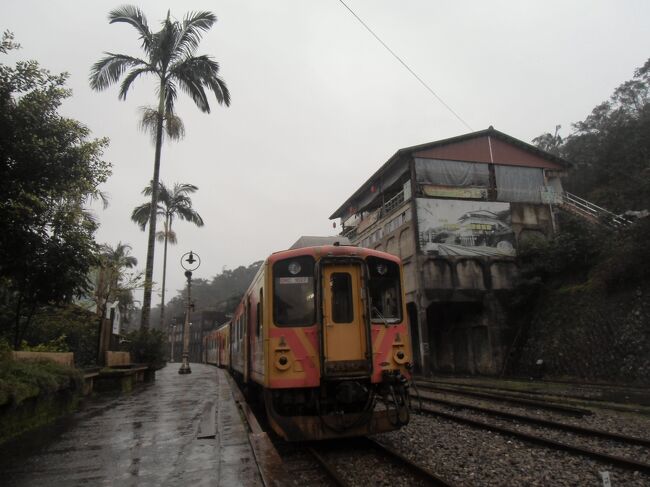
193 87
163 191
109 69
183 188
190 215
164 41
149 123
191 31
170 95
130 78
174 126
117 256
141 215
133 16
169 234
194 74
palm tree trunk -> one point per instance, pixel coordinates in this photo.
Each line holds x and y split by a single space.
162 302
148 274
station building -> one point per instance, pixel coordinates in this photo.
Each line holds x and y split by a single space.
455 211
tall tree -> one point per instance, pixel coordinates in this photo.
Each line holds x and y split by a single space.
170 58
610 148
171 204
49 168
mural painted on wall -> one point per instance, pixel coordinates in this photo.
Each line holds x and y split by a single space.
472 228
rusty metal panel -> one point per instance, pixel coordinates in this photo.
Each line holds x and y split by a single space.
478 150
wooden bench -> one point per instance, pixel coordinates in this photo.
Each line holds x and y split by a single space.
121 373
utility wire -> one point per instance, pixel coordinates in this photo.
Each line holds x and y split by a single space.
406 66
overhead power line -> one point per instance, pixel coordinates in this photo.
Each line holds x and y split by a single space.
428 88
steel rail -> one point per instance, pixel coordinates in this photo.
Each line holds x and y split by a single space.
623 462
331 471
540 382
508 398
542 422
641 406
419 469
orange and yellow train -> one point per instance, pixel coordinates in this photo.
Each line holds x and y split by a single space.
321 335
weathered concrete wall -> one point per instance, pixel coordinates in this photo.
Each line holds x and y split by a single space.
62 358
36 411
115 359
461 324
529 220
467 336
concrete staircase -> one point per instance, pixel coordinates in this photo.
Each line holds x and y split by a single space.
591 212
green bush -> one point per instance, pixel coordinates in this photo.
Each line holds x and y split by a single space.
626 258
56 345
146 347
571 253
22 380
77 325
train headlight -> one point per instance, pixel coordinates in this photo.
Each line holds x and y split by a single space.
282 362
294 268
399 356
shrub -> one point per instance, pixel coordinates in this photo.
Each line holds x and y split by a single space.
570 254
22 380
146 347
625 261
56 345
77 325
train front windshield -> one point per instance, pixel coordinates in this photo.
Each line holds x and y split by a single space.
294 292
385 291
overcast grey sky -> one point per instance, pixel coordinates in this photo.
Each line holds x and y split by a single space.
318 104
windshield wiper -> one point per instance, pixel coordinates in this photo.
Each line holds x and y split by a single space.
381 317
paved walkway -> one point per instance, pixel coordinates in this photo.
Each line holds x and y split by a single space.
147 438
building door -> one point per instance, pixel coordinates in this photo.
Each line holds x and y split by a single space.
344 323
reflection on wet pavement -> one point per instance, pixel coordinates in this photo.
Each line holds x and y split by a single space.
145 438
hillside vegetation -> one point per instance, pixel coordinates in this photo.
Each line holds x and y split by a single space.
583 300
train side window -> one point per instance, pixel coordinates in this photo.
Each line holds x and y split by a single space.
341 292
258 328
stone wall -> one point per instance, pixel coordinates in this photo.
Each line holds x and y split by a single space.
586 333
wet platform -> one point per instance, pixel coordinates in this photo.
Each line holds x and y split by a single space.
178 430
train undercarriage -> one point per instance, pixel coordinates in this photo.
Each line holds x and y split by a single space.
339 408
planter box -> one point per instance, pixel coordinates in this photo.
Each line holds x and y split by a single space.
63 358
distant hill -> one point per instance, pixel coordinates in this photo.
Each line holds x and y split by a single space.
222 293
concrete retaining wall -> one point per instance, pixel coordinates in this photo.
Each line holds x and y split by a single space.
62 358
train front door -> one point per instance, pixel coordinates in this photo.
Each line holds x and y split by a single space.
345 336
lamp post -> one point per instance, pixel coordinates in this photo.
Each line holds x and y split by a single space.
172 338
191 263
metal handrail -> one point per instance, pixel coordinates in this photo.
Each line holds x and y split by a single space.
593 210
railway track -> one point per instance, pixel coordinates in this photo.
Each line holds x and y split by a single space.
386 464
539 437
510 398
593 432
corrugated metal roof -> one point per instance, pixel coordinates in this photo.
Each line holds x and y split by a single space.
408 151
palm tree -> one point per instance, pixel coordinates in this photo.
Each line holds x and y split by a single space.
170 58
113 261
171 204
